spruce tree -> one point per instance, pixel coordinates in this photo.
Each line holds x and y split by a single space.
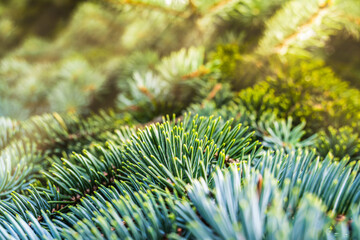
182 119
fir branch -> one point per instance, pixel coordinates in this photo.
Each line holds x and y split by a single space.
304 29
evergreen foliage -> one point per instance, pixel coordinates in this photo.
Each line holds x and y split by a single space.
340 142
306 92
182 119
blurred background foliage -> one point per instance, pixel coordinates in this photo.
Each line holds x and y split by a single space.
154 57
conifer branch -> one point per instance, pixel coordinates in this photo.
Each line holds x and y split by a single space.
304 29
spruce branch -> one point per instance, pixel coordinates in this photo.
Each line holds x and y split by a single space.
305 28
